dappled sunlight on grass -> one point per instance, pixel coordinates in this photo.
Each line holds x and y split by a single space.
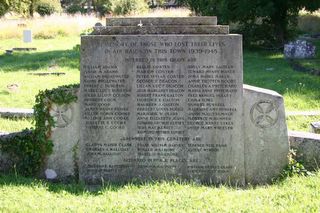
275 56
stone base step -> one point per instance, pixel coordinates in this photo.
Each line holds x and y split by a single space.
16 113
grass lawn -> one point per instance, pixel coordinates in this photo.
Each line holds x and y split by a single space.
296 194
301 91
53 55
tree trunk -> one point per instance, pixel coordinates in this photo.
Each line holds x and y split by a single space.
31 8
280 22
89 4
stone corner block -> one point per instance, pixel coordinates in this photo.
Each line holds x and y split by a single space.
265 134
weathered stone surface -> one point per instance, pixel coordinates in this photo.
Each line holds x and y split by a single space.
161 107
152 21
6 163
266 138
299 49
307 147
65 137
315 127
192 29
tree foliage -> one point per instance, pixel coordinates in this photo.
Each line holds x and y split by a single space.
265 22
47 7
28 7
4 7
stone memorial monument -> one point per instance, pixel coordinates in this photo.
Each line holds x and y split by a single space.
163 98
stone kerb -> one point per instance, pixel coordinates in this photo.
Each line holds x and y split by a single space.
215 133
307 148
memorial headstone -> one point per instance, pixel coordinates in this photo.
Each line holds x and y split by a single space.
162 98
27 36
299 49
165 104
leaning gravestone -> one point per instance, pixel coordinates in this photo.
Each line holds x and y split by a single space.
299 49
162 98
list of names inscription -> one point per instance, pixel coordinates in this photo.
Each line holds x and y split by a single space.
158 107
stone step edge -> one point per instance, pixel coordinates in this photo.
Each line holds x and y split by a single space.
158 21
16 113
166 30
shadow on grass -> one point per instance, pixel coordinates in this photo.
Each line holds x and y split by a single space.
72 187
75 188
32 61
4 92
79 188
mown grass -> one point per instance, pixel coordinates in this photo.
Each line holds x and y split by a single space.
47 27
301 123
53 55
296 194
15 124
301 91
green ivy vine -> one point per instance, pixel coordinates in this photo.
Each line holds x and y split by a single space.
28 149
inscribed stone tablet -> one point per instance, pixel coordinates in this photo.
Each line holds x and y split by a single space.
161 107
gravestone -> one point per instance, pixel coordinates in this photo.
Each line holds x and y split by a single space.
27 36
299 49
164 104
162 98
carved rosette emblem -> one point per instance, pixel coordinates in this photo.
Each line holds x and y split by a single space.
62 115
264 113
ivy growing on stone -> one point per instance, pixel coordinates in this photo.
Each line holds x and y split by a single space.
28 150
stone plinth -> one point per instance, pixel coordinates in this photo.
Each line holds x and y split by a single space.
164 106
162 100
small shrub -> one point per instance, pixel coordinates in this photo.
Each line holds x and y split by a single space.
294 167
47 7
103 7
73 9
124 7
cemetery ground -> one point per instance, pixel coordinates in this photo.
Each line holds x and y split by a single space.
295 194
19 83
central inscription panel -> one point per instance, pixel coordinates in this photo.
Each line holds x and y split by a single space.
161 107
